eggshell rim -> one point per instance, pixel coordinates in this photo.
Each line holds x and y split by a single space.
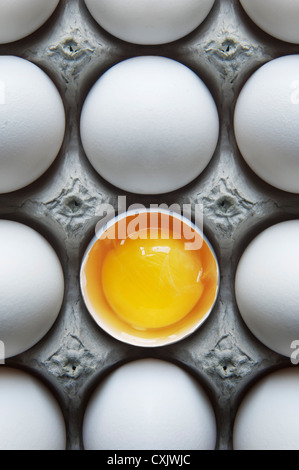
137 341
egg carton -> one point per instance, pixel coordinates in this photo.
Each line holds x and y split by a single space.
64 203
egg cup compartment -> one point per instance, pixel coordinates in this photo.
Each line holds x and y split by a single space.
64 205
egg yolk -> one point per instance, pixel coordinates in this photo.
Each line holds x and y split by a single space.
149 277
151 283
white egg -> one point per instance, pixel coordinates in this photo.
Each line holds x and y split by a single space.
267 121
149 404
149 21
266 286
31 418
268 417
31 287
32 123
278 18
19 18
149 125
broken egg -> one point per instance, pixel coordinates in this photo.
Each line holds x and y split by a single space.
149 278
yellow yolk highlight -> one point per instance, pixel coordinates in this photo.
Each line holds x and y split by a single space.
151 283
